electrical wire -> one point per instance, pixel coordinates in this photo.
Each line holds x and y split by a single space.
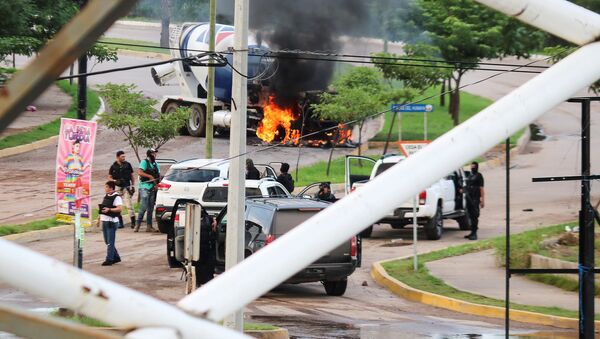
283 54
298 139
196 60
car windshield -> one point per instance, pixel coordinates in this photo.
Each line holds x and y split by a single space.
384 167
191 174
219 194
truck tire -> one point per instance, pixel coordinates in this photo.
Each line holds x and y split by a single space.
366 233
163 226
171 107
196 124
335 288
464 222
435 226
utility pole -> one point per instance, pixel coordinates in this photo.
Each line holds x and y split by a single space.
210 105
237 147
81 115
82 81
586 232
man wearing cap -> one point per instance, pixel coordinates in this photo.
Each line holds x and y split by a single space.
149 173
325 193
121 173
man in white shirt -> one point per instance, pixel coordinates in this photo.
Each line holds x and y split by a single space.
110 210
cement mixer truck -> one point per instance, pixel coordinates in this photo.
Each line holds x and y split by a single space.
191 39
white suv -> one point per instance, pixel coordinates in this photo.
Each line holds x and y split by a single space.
188 179
214 196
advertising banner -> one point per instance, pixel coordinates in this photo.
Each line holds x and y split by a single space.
74 170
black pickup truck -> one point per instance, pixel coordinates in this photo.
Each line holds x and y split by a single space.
269 218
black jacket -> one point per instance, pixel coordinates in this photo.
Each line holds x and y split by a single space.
287 181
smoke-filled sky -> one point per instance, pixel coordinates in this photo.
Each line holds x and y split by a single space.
308 25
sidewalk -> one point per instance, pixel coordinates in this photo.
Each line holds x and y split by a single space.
51 105
478 273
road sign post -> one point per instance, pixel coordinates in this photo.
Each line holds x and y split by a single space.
412 108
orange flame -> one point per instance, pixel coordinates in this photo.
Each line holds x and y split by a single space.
275 121
276 126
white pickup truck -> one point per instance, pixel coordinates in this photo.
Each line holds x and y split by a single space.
445 199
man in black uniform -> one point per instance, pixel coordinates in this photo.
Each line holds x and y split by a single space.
475 198
205 267
285 178
325 193
252 172
121 173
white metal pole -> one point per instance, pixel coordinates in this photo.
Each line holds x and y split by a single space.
97 297
425 126
234 242
415 236
304 244
399 130
561 18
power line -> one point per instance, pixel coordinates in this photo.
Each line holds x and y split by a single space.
297 139
196 60
285 54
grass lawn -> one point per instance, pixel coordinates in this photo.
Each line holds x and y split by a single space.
112 42
403 269
30 226
52 128
438 121
49 223
317 172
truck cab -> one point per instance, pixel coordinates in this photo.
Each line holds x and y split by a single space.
445 199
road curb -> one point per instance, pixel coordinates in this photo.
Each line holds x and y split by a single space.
280 333
53 140
379 274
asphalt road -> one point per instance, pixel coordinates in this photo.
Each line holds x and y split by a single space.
367 311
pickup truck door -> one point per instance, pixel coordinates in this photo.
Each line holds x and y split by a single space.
356 168
266 171
447 185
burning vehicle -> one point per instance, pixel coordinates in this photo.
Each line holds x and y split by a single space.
273 120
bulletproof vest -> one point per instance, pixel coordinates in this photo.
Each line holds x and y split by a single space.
151 169
109 201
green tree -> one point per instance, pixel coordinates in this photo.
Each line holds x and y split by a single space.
133 114
466 32
28 24
358 94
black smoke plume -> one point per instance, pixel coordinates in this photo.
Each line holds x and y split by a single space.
307 25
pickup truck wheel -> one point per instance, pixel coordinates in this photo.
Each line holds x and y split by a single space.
366 233
196 124
464 222
435 226
172 107
335 288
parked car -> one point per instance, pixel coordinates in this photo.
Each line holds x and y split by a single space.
187 180
445 199
267 219
213 198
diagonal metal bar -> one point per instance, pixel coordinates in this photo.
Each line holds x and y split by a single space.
29 325
558 17
306 243
72 41
97 297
